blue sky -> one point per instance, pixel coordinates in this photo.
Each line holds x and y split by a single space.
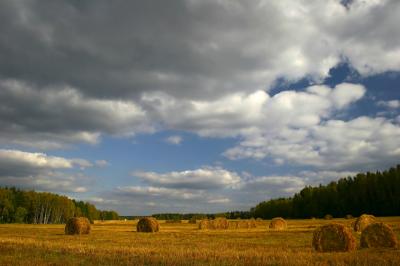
195 106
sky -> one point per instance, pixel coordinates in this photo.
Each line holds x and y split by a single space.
195 106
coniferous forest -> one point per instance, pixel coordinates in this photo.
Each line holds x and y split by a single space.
374 193
18 206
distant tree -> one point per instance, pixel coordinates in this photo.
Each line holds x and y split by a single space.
20 215
376 193
43 208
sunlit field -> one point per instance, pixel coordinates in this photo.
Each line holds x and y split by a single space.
118 243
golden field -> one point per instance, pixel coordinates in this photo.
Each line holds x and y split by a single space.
118 243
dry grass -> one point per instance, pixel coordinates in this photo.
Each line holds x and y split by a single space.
117 243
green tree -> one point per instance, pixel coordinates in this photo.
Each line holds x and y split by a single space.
20 215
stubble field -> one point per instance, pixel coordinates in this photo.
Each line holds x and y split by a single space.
118 243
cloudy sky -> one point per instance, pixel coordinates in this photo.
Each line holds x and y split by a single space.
195 105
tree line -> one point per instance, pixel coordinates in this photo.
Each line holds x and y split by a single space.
375 193
18 206
200 216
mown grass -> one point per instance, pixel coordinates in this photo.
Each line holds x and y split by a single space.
118 243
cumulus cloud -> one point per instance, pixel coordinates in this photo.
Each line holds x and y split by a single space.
211 59
190 190
102 163
392 104
203 178
361 143
40 171
200 49
240 114
274 185
159 192
53 117
160 196
174 140
72 72
15 162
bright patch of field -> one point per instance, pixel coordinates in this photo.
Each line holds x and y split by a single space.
118 243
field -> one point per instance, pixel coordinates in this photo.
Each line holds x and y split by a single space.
118 243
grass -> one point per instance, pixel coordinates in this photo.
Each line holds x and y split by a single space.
118 243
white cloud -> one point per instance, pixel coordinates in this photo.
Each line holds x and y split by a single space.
219 200
34 160
207 77
274 185
203 178
392 104
174 140
346 93
206 67
242 114
102 163
363 143
159 193
42 172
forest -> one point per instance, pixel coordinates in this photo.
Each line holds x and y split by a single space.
374 193
18 206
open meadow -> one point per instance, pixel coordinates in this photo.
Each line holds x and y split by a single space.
118 243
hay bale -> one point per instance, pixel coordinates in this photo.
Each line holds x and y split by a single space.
192 220
220 223
252 223
242 224
378 235
278 223
333 237
204 224
233 224
148 225
77 226
217 223
363 221
328 217
348 216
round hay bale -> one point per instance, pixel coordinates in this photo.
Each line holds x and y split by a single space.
148 225
252 223
204 224
349 216
328 217
278 223
233 224
242 224
378 235
220 223
363 221
192 220
77 226
333 237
